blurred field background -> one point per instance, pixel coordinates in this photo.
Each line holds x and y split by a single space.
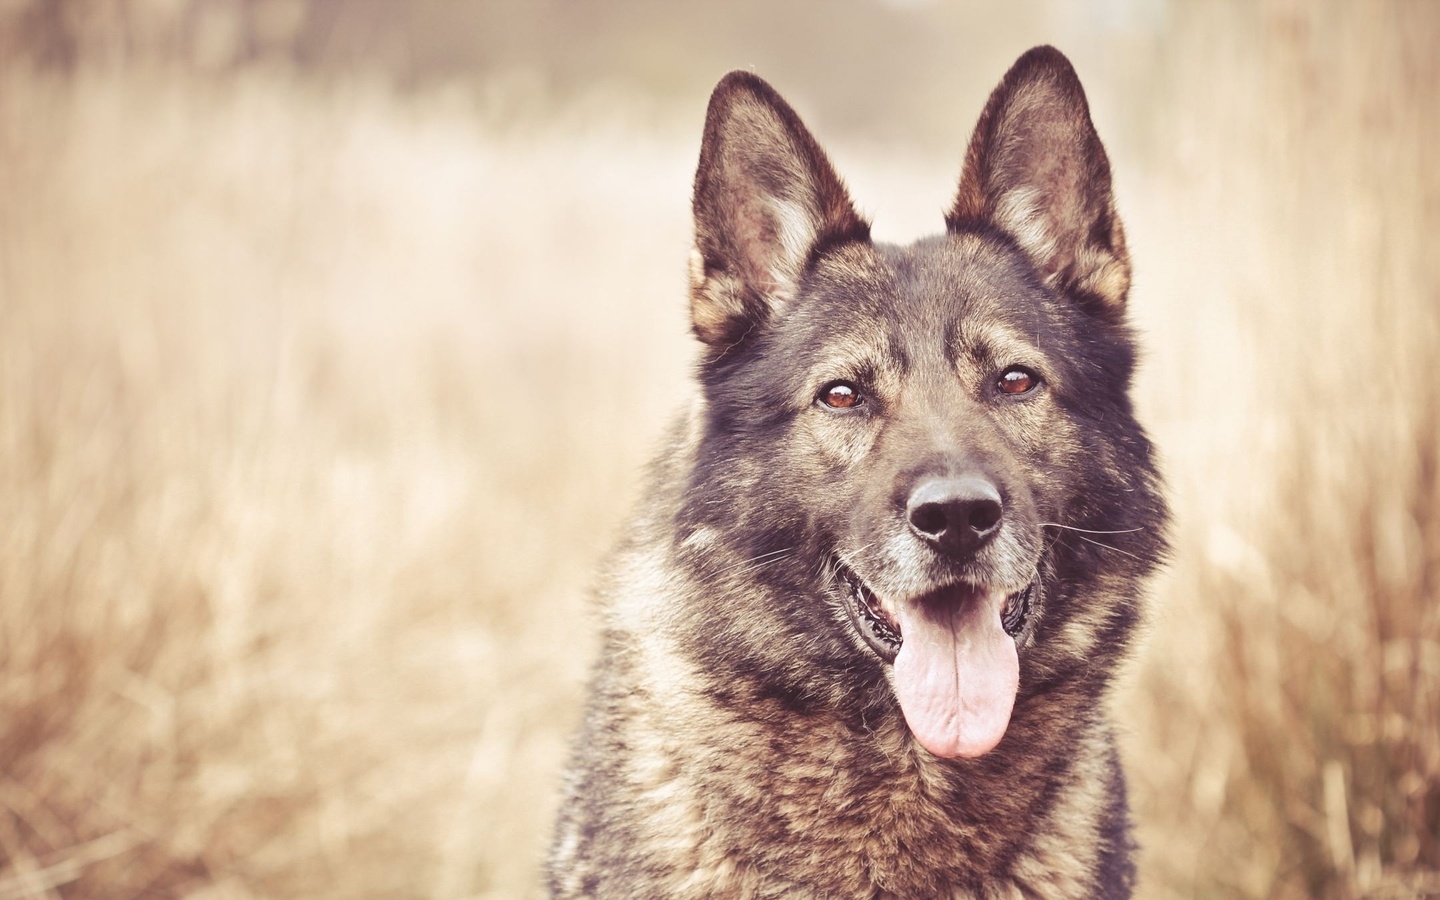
333 336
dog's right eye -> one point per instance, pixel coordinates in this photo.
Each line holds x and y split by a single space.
840 395
1017 381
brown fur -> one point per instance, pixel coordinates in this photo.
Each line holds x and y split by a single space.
741 738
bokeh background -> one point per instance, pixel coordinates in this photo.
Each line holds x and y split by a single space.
334 335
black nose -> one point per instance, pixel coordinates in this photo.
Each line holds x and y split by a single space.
956 516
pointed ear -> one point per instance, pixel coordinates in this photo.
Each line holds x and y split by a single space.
1037 171
767 203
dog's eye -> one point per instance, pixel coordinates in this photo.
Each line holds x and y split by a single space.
1017 380
840 395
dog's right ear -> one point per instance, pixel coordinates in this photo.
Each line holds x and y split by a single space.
767 203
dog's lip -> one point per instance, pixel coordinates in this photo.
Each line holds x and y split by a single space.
1017 609
868 614
875 620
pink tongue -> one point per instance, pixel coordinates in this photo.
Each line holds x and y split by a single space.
956 673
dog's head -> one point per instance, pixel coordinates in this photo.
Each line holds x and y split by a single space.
927 421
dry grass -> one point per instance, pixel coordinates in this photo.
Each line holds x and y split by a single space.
317 407
291 421
1287 715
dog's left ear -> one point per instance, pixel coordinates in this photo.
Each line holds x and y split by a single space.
1036 170
767 202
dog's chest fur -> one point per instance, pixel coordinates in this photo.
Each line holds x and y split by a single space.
740 797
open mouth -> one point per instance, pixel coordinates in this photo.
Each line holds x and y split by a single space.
954 659
879 624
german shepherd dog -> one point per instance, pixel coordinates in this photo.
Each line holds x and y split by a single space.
860 639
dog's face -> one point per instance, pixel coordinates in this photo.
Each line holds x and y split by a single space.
924 419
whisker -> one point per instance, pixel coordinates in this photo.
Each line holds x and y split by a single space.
1108 547
1089 530
756 562
844 558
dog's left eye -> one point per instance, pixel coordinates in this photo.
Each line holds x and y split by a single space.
1017 380
840 395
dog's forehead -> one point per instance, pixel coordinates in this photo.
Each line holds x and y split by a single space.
964 277
970 288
